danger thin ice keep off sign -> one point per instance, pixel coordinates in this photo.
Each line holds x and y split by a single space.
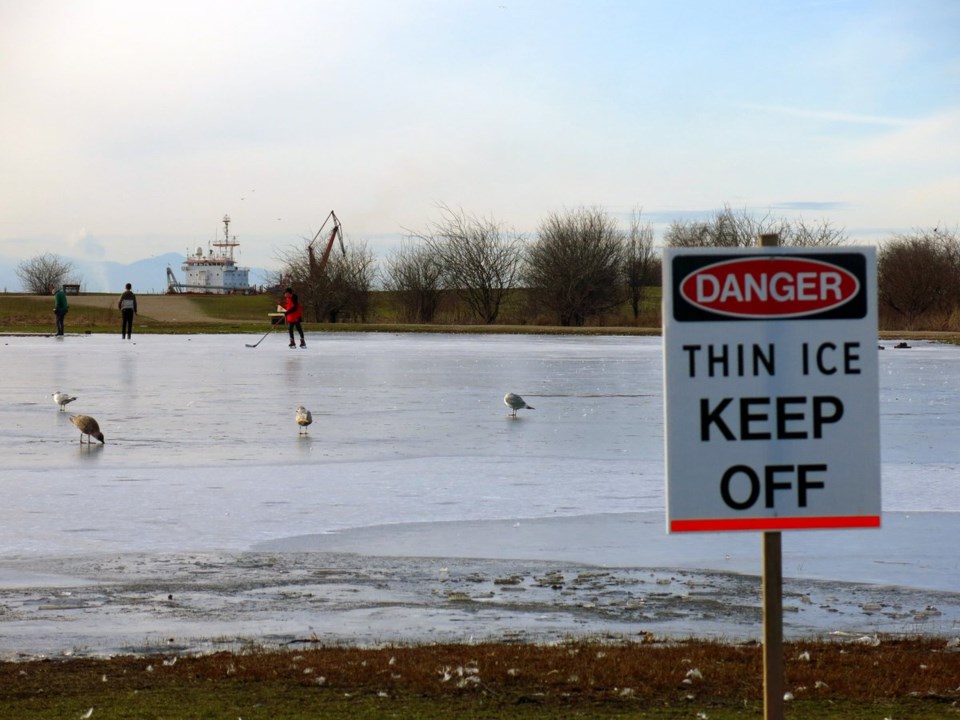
771 389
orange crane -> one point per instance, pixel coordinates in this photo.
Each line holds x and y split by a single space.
316 267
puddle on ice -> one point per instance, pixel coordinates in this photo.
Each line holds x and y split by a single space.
204 491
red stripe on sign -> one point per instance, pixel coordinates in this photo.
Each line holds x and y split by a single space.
789 523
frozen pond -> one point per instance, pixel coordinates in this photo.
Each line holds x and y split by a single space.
412 453
203 452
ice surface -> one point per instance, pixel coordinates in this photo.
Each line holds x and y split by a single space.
202 449
202 452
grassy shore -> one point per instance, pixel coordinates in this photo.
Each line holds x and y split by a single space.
855 680
198 314
193 314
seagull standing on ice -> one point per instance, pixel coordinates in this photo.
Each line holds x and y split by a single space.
87 426
304 418
515 402
61 399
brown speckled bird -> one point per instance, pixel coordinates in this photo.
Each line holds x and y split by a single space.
304 418
87 426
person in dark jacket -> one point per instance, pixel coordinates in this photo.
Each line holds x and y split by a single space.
59 307
128 308
293 314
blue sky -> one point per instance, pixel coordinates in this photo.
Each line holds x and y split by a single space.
128 129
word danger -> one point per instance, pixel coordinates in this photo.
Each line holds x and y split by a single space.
764 287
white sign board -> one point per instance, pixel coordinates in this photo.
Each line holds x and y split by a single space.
771 388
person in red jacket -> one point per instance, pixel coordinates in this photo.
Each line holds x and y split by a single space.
293 314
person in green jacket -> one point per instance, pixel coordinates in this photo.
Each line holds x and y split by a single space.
59 307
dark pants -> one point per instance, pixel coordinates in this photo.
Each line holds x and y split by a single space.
60 315
126 324
298 326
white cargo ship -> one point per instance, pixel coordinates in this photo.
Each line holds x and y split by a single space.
214 271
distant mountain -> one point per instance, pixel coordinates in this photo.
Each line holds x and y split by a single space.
146 276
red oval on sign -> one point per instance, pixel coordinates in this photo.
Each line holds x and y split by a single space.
769 287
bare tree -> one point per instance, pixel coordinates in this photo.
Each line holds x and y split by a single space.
641 265
359 272
479 258
339 289
918 274
800 233
414 275
729 228
41 273
575 265
725 229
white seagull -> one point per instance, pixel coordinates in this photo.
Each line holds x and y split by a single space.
515 402
61 399
304 418
87 426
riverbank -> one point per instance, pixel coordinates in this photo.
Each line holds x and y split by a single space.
189 314
850 680
524 581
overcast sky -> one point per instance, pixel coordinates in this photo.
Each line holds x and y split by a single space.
128 128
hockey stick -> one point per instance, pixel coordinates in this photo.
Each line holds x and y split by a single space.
272 328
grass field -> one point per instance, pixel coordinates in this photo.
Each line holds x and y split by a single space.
192 314
231 314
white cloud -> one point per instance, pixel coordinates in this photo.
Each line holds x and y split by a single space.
930 141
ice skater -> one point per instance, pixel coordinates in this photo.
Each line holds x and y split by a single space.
293 314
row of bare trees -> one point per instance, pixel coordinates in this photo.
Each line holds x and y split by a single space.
918 273
580 265
739 228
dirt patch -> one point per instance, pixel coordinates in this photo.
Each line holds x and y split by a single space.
642 677
162 308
